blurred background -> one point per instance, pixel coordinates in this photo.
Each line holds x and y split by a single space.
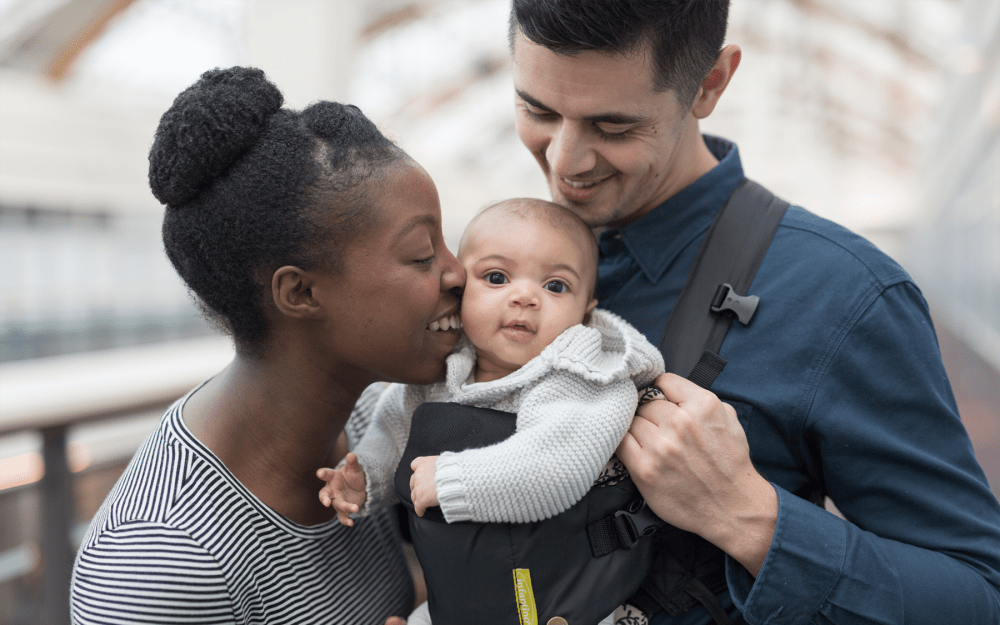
882 115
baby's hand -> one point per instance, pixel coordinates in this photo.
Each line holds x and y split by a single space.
423 490
345 489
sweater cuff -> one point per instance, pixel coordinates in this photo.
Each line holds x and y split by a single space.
451 492
374 494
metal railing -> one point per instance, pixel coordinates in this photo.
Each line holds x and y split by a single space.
52 395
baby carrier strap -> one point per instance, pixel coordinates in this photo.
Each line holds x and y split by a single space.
727 262
514 573
687 570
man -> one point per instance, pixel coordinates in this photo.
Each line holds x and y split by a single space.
836 387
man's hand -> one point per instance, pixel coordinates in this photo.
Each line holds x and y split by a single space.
395 620
344 490
690 459
423 490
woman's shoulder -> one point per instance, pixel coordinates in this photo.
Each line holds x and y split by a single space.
147 491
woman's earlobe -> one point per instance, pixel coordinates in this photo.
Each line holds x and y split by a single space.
291 290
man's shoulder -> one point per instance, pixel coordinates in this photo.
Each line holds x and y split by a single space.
825 250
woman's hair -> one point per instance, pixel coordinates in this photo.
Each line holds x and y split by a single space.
250 187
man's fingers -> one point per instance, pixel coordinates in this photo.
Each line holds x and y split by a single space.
679 390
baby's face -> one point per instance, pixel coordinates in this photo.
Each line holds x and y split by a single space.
527 282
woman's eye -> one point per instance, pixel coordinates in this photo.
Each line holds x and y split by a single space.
556 287
426 261
496 278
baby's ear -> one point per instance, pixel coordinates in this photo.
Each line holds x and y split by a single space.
590 308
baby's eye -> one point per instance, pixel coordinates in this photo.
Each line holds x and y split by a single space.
556 286
496 278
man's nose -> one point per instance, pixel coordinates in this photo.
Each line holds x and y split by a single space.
570 152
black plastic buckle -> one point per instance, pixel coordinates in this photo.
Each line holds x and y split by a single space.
743 306
638 521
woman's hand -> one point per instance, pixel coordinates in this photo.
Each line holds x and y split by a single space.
423 490
345 489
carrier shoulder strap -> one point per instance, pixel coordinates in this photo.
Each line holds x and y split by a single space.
727 262
687 570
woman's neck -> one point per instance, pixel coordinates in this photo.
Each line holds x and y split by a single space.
273 423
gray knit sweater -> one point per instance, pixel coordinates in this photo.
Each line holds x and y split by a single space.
574 403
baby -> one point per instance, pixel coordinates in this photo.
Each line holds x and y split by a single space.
534 345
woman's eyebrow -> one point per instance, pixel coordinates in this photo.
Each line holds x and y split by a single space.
618 119
419 220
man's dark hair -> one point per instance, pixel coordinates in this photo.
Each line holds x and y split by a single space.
684 36
250 187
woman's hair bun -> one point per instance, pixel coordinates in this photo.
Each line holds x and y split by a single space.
207 128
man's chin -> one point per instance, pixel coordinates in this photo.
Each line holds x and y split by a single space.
594 213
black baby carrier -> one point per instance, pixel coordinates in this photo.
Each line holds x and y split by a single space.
608 549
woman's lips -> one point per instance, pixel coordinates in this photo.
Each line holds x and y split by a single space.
448 322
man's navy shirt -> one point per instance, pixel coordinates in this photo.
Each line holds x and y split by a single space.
838 383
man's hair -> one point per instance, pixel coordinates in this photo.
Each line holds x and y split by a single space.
684 36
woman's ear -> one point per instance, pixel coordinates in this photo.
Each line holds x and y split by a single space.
291 289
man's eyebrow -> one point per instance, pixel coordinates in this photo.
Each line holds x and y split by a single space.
601 118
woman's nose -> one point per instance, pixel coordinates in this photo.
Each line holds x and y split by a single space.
452 272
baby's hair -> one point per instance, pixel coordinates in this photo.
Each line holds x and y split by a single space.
554 215
250 187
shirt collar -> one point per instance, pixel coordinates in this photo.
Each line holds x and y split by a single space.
658 237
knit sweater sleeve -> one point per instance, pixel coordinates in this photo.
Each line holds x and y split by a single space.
567 429
381 448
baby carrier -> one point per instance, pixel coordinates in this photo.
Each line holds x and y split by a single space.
608 549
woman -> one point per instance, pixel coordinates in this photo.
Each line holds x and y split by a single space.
316 243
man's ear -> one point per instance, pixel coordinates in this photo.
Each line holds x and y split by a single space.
291 289
590 308
717 81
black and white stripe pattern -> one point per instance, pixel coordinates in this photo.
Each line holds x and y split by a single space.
180 540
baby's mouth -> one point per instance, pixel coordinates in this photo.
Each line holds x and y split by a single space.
519 326
451 322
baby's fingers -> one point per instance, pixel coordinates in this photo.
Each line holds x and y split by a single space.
344 509
326 496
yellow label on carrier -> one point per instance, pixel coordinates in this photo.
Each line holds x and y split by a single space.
526 611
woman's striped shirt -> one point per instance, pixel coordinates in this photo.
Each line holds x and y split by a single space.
180 540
